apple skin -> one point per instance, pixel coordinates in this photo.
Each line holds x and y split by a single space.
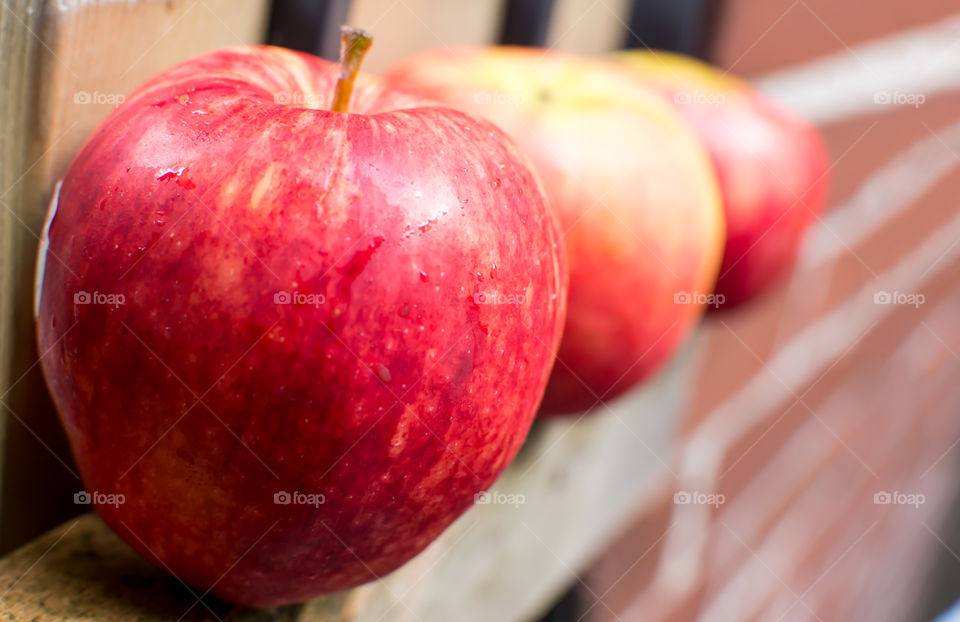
772 165
397 397
634 191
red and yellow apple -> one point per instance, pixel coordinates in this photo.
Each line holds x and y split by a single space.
634 191
772 166
295 341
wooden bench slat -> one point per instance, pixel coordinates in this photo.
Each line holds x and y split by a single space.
578 483
63 67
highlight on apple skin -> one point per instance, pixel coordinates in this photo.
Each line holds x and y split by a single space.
633 188
772 165
298 342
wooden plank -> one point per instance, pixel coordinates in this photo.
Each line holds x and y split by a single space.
20 52
589 26
571 489
65 66
401 27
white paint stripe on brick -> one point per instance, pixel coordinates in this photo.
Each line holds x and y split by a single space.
891 189
807 354
923 60
793 473
886 193
800 362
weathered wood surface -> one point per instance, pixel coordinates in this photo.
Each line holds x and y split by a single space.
63 66
589 27
571 489
18 57
401 28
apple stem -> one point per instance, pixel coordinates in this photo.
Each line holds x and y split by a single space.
354 44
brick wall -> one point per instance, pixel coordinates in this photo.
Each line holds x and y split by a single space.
819 397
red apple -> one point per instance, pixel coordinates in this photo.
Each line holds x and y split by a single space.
633 189
293 342
772 166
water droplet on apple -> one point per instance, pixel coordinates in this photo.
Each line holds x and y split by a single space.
165 174
382 372
424 277
493 271
496 182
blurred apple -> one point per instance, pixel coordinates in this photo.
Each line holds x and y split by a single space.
634 190
772 166
295 339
